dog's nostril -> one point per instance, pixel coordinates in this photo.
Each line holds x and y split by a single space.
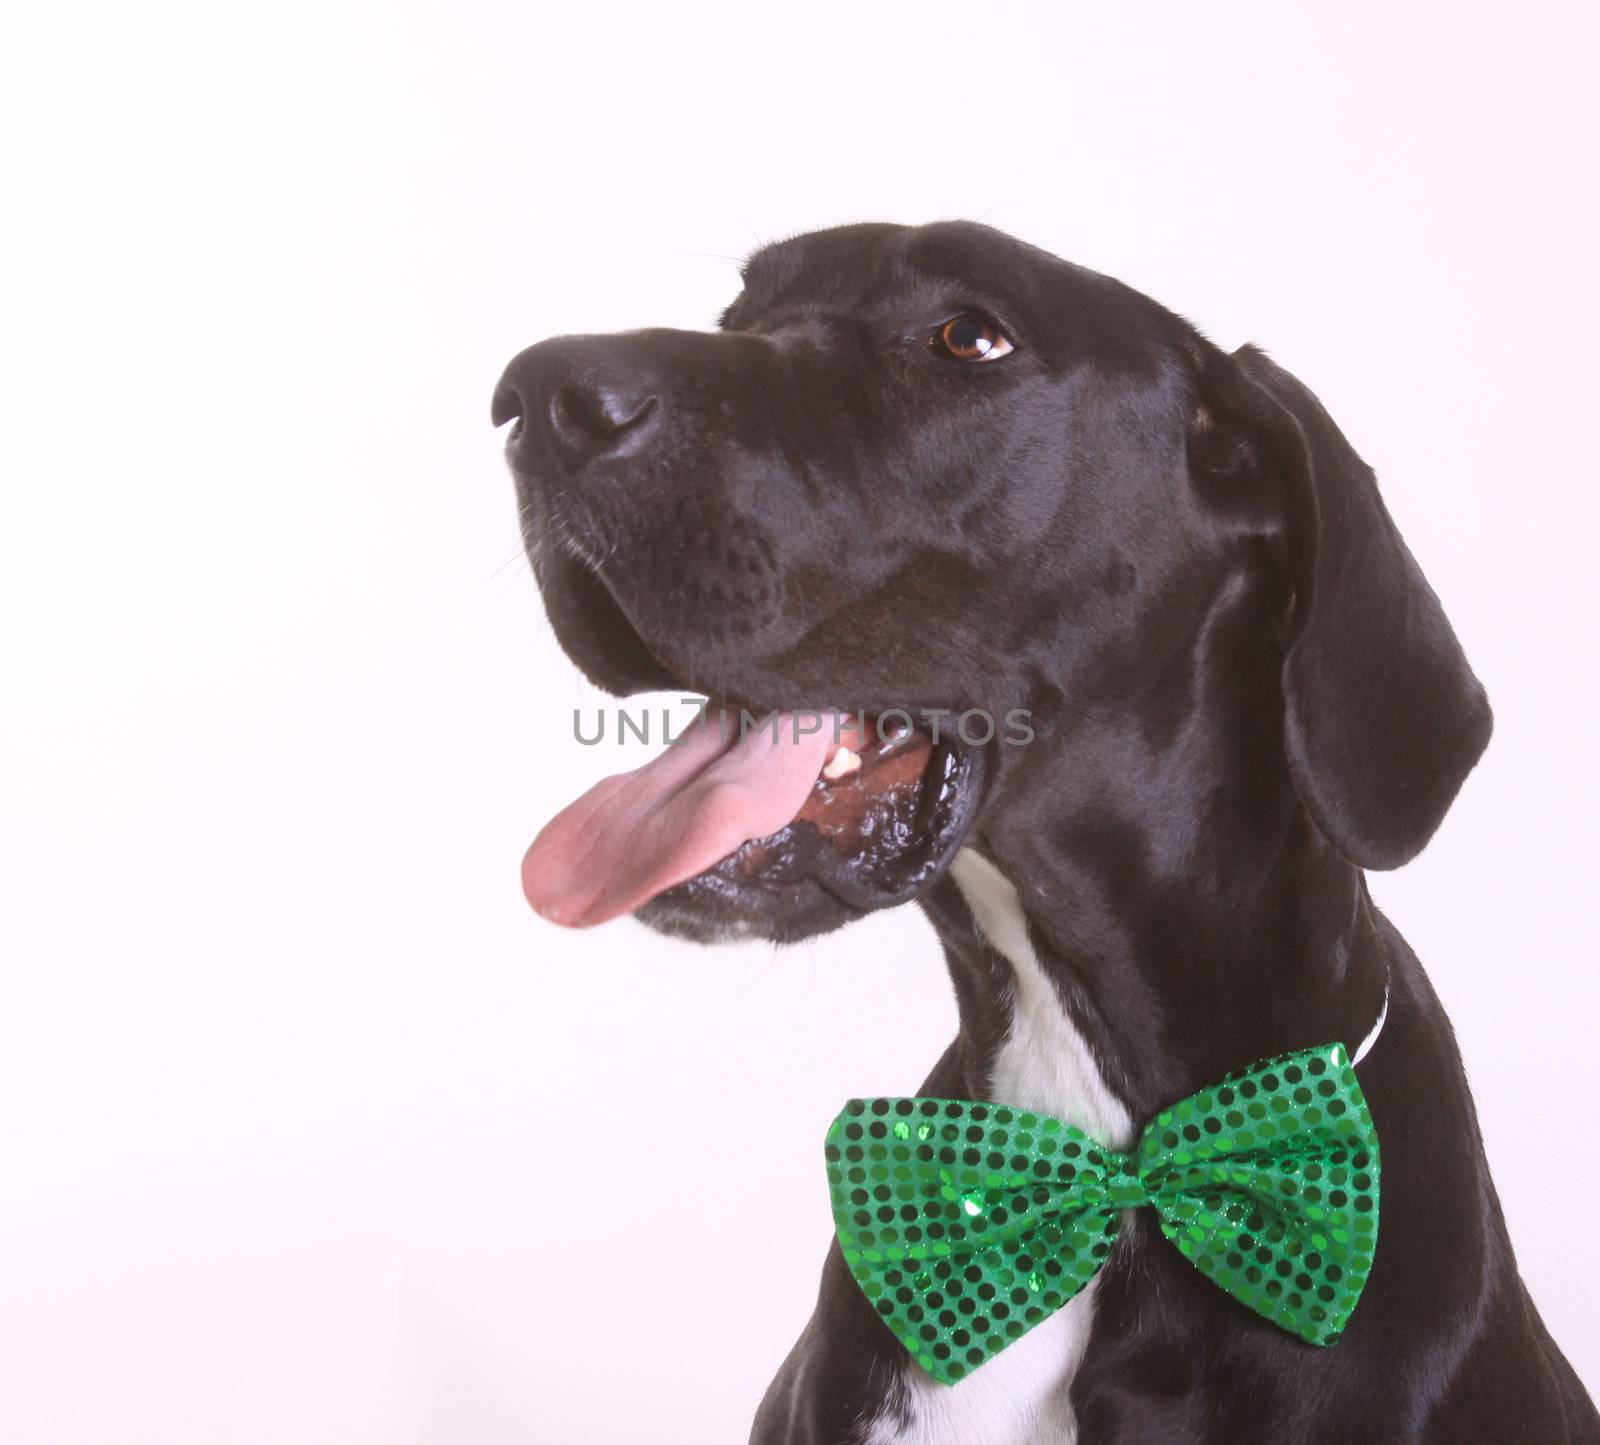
600 415
569 414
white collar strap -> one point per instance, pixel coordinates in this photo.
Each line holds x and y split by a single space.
1377 1028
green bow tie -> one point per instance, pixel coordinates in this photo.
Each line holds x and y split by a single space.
967 1224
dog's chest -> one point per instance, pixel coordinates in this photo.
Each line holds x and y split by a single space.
1022 1395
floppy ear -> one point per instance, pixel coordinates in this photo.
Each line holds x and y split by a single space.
1383 718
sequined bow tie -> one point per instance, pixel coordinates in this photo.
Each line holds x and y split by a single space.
966 1224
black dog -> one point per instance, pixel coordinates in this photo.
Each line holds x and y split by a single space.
935 467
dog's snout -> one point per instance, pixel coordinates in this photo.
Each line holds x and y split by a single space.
597 417
583 403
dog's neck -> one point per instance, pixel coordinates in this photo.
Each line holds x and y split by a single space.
1189 925
1160 1012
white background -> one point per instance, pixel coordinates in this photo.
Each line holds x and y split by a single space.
309 1130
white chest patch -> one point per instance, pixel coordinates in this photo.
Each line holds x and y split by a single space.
1021 1396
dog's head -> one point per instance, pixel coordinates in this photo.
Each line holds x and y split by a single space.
934 471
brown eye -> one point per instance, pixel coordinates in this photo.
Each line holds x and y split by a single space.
974 338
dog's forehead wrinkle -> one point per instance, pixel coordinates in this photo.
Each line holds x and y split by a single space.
821 265
872 267
896 279
830 241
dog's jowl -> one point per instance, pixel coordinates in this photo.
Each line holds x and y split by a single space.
929 474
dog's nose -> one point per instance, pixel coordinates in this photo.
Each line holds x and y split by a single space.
586 405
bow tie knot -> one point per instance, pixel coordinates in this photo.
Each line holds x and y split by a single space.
966 1224
1124 1186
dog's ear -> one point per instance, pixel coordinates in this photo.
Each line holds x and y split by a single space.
1383 718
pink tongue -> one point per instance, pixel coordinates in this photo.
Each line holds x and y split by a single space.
635 835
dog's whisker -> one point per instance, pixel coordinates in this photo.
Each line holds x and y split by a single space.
510 557
517 575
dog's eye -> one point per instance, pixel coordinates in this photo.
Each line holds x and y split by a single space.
973 338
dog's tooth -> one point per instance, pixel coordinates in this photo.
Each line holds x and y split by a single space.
843 762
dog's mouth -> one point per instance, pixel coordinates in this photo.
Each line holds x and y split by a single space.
747 819
774 824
